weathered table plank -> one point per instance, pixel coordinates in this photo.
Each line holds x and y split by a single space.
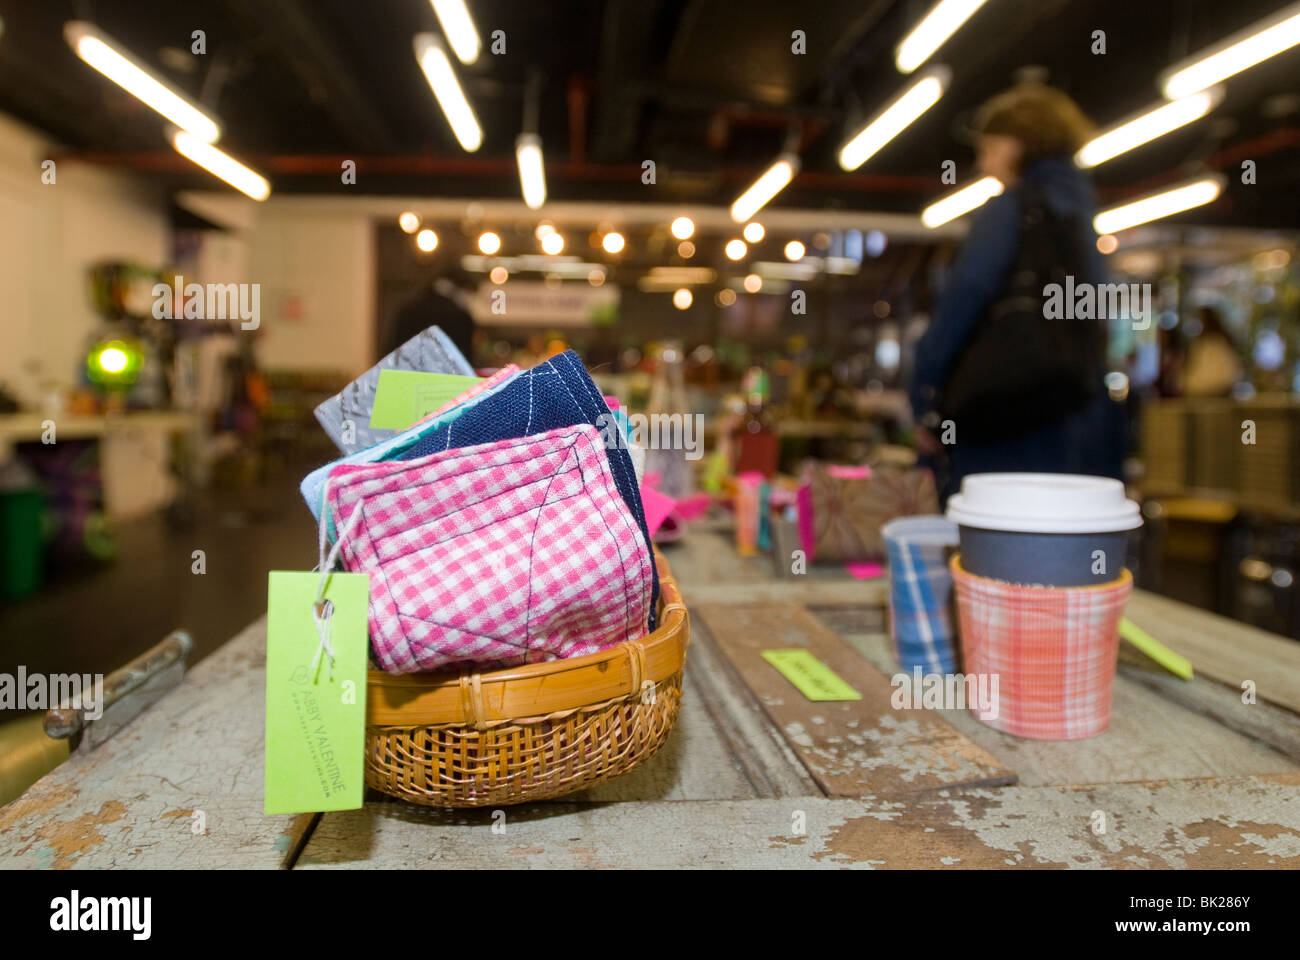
851 748
1251 822
1151 737
180 786
1224 649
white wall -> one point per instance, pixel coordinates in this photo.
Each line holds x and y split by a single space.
313 260
317 274
50 234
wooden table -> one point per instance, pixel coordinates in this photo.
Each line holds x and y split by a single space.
754 775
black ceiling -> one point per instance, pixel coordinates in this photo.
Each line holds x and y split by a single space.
707 89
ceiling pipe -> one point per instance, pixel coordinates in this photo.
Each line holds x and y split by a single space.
1282 138
327 165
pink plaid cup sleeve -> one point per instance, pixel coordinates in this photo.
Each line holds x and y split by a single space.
1053 650
509 552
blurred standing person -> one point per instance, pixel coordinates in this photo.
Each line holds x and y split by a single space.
445 303
1213 365
1027 137
1173 357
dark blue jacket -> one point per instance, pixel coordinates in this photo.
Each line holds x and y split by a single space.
1088 441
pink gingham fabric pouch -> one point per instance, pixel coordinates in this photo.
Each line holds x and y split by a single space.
509 552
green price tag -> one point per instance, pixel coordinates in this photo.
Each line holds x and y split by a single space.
814 679
315 723
404 396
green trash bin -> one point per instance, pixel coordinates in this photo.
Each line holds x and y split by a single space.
22 542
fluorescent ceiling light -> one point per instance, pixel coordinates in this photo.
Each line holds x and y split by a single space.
682 276
1157 205
455 21
565 265
446 89
105 56
943 20
532 175
786 271
1155 123
960 202
895 118
221 165
772 182
1242 50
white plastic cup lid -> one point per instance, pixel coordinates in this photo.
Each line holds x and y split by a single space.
1043 503
921 529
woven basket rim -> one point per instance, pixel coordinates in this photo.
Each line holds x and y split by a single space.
485 699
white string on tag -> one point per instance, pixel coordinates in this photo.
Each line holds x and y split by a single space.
322 611
322 615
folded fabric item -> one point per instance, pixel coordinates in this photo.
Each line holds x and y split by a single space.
346 415
557 393
845 514
314 483
509 552
803 501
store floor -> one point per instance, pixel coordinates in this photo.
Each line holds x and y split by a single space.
96 621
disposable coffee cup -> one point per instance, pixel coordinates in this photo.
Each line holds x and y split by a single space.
921 622
1044 529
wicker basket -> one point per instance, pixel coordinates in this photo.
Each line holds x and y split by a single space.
528 733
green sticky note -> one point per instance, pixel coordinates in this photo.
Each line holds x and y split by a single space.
315 723
405 396
814 679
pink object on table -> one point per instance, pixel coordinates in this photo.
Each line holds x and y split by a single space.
782 497
693 507
509 552
657 506
848 472
865 571
807 532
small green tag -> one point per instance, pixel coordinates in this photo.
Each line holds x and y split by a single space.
815 680
1173 662
315 725
405 396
